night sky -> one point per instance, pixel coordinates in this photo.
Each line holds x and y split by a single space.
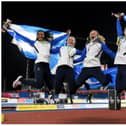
80 17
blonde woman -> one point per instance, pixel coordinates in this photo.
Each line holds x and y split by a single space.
120 59
91 60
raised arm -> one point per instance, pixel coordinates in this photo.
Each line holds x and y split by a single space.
119 28
83 55
107 50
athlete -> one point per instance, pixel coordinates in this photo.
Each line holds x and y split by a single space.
65 72
120 59
91 60
41 68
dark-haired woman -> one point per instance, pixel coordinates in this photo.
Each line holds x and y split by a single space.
41 69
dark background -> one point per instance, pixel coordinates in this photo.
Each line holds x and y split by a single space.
80 17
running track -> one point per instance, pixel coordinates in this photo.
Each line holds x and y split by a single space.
67 117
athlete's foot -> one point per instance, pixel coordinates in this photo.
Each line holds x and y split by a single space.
71 99
89 98
103 88
51 99
17 82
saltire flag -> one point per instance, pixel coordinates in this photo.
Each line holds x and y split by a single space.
24 37
93 82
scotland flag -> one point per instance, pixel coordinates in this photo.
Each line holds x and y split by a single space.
24 37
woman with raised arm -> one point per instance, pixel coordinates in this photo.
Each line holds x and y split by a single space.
91 60
120 59
41 68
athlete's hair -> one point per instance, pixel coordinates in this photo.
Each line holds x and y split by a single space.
73 38
88 38
95 30
47 35
38 33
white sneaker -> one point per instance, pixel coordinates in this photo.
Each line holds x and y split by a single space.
17 82
102 88
51 99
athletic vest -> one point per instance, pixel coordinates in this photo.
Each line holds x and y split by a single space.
120 58
43 51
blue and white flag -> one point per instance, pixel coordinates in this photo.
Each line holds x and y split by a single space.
24 37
